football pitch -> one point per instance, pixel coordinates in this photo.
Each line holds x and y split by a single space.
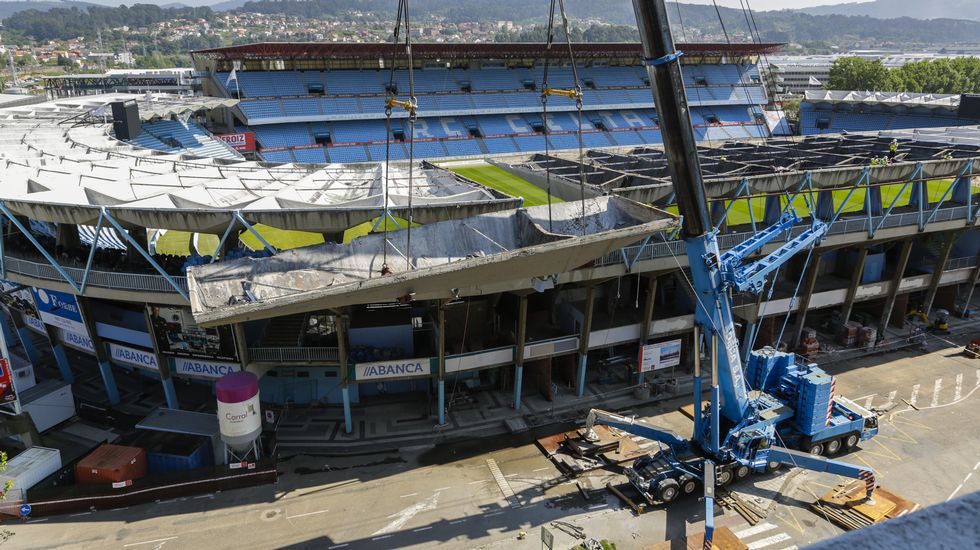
501 180
179 242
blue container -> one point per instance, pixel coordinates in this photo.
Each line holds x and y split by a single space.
166 452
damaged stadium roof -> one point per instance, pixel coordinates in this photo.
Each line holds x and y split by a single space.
459 257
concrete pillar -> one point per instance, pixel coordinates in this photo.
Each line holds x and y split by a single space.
973 285
961 190
8 330
903 260
648 305
811 283
26 340
348 424
519 352
241 344
825 205
64 366
105 368
341 325
872 201
937 271
66 236
773 211
132 255
163 366
109 380
718 215
441 335
337 238
920 195
855 282
583 350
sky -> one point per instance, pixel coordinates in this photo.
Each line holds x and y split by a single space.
761 5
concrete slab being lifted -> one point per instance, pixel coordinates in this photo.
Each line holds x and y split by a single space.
502 251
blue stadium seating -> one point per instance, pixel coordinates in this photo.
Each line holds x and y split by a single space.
183 136
824 120
278 156
351 153
462 147
310 155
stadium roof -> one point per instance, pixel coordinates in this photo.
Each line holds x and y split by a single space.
474 254
63 165
442 51
884 98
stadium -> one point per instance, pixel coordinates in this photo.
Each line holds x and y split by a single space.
382 280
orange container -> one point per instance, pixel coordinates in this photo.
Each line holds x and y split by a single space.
111 464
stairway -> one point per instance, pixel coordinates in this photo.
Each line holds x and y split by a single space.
284 332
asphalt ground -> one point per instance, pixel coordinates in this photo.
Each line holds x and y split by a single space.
450 496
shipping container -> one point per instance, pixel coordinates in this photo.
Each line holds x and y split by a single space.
169 452
29 468
111 464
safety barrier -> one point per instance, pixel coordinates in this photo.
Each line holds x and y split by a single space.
294 355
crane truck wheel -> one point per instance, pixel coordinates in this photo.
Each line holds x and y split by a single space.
688 486
724 477
742 471
833 446
773 466
851 441
816 449
668 490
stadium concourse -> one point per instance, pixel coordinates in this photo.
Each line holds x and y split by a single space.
477 311
316 102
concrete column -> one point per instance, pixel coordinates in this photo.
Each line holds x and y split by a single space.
648 305
825 205
973 285
441 335
133 256
583 350
872 201
903 260
163 366
105 368
937 272
855 282
341 325
337 238
5 325
67 236
26 340
718 215
64 366
811 283
773 211
241 344
519 356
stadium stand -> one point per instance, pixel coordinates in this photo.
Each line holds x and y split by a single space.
486 104
172 136
840 111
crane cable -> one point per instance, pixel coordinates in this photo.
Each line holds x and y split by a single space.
410 106
544 106
577 90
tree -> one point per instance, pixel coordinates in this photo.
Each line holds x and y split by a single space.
855 73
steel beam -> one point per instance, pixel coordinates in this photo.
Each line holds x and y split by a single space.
441 336
47 255
855 282
811 284
937 272
344 372
903 260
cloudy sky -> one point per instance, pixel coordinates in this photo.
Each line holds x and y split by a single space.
771 4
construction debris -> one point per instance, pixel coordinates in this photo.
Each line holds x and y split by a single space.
845 505
574 455
723 539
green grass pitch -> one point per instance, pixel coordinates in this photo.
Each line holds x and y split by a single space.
503 181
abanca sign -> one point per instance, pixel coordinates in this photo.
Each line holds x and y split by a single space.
403 368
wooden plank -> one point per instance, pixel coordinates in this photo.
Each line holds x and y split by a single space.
724 539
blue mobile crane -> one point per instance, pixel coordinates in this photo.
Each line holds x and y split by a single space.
742 429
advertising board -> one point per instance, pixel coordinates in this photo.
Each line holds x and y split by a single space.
134 357
18 298
7 392
402 368
660 355
184 366
243 141
59 309
177 334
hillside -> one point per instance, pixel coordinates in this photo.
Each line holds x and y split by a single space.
916 9
9 8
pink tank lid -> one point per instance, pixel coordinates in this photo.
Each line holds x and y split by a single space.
237 387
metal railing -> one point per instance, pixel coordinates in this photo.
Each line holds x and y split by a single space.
960 263
107 279
294 355
840 227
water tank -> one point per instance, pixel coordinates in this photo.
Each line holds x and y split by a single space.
239 417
